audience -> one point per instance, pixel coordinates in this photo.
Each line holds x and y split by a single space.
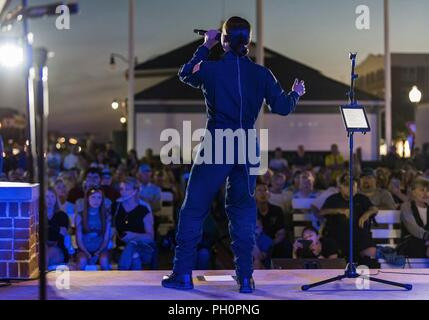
115 200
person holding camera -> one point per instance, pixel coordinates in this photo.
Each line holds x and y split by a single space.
234 89
312 246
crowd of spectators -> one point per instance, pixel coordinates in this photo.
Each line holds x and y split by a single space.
106 210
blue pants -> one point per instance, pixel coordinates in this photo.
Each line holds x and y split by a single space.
135 255
204 183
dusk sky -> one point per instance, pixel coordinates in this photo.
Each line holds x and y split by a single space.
317 33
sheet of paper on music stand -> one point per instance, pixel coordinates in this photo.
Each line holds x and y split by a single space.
355 118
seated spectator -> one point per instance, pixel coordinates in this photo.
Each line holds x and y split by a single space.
334 161
58 226
278 195
149 192
381 198
278 163
272 222
336 212
93 225
415 221
294 186
397 189
266 178
301 160
262 251
106 185
77 194
134 227
321 248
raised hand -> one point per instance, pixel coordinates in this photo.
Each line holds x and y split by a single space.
299 87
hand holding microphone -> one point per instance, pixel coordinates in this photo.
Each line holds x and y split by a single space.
211 38
299 87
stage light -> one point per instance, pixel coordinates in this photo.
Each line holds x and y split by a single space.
58 146
123 120
73 141
15 151
415 95
115 105
11 55
62 140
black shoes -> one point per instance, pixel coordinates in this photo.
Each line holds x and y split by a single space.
247 285
178 281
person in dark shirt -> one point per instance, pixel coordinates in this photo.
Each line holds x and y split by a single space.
106 185
134 227
320 247
272 219
336 212
58 226
92 179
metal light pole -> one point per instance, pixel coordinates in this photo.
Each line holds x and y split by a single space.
131 79
41 117
387 77
31 125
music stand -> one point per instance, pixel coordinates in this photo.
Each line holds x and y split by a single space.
355 120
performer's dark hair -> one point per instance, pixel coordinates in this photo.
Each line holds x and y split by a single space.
237 31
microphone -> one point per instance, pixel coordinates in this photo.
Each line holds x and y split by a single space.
202 32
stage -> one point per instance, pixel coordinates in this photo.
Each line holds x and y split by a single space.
270 284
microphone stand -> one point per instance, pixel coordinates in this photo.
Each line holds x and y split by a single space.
350 272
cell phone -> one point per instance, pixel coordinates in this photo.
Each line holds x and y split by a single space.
305 244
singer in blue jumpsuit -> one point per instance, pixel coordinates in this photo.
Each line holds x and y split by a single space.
234 89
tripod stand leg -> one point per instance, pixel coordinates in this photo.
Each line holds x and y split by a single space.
316 284
391 283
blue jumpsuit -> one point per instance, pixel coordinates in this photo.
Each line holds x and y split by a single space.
234 89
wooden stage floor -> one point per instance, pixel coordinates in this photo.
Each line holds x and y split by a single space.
270 284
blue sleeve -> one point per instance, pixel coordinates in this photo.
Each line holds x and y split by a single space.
185 73
276 98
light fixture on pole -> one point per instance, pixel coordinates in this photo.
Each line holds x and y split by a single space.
415 95
11 55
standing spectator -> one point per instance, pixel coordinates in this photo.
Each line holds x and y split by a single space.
334 161
58 225
149 192
381 198
134 226
71 159
273 222
415 221
93 225
336 212
397 189
278 163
